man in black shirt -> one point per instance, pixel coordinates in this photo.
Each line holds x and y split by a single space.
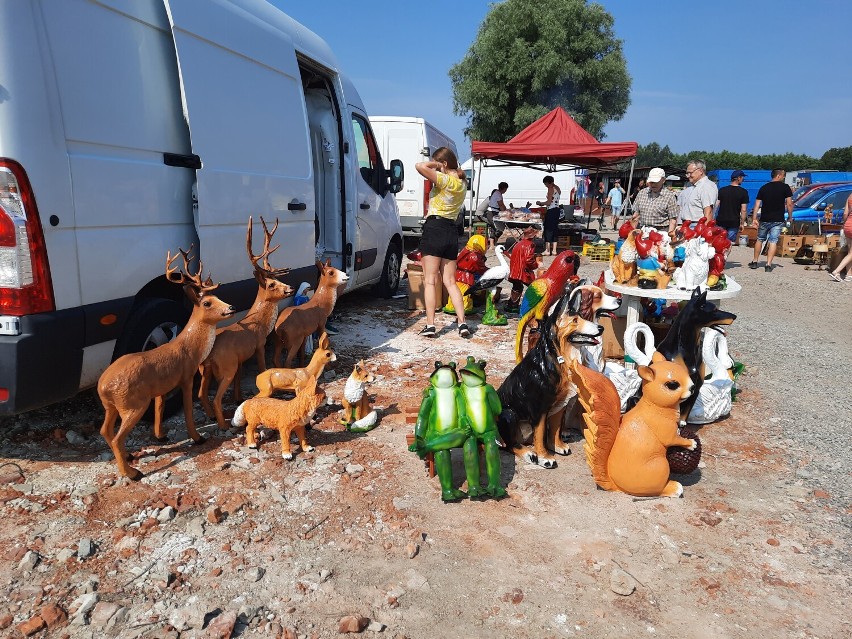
772 198
733 205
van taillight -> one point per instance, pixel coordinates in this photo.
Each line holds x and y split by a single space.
25 286
427 188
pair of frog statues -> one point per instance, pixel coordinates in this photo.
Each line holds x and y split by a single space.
460 410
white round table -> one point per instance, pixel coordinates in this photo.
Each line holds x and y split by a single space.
633 294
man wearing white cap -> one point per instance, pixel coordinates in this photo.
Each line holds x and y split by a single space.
655 205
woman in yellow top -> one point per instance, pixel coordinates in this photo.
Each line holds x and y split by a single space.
439 244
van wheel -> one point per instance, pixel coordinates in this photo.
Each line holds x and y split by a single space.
154 322
389 284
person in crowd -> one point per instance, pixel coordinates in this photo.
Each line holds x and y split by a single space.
656 205
683 203
551 213
702 199
439 243
641 184
772 199
614 200
847 233
495 207
732 203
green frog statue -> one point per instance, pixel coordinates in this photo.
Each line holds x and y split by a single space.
460 416
482 407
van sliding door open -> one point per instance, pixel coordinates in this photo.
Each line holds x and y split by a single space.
242 98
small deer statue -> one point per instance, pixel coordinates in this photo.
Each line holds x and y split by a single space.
277 379
286 417
236 343
295 323
127 386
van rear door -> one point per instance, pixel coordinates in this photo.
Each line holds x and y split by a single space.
243 100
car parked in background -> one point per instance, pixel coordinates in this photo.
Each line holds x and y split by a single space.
802 191
811 207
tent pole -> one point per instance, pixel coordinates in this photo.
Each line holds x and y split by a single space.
629 188
478 180
470 188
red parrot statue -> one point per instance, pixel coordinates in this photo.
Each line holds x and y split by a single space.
543 292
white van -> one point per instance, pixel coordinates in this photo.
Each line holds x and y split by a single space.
129 128
412 140
525 182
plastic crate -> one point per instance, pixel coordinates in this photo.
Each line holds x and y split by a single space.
599 253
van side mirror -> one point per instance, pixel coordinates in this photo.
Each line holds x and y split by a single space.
821 206
396 175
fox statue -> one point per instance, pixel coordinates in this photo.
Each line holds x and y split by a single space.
628 453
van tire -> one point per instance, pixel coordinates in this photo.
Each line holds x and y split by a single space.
151 323
389 282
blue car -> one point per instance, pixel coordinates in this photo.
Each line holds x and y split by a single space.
810 207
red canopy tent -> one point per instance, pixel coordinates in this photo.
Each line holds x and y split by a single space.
554 139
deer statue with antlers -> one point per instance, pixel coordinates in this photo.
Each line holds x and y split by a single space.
236 343
128 385
297 322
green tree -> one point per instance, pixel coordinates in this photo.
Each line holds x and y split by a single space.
653 155
530 57
839 159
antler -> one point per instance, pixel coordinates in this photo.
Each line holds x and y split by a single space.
266 269
184 276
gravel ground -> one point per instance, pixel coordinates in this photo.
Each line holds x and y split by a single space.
789 333
220 540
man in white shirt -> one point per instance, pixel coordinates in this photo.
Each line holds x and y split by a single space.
702 199
491 207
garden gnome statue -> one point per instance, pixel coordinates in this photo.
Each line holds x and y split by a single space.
469 265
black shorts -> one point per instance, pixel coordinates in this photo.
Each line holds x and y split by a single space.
440 238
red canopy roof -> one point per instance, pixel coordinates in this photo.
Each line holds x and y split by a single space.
555 138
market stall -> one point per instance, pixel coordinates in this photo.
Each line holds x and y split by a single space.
554 142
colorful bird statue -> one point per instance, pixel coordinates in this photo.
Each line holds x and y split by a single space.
543 292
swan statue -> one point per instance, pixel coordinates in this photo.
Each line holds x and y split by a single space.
714 396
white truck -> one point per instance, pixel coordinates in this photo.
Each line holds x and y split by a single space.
412 140
129 128
525 182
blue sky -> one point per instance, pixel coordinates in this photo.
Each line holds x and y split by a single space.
750 76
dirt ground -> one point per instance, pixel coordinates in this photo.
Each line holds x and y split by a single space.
220 540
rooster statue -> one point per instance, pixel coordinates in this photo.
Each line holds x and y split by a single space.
543 292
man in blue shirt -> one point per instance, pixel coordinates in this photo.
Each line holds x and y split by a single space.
614 199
